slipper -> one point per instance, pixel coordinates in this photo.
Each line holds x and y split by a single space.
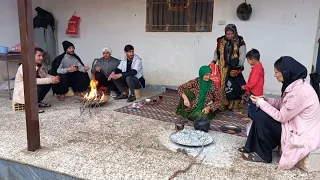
43 105
253 157
40 111
243 150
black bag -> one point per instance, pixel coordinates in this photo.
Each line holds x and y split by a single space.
233 85
314 81
202 124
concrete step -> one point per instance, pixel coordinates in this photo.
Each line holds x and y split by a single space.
311 163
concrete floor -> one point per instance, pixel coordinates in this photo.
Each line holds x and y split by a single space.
112 145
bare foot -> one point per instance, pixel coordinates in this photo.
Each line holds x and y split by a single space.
81 94
62 97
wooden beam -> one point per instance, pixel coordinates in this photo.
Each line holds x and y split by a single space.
29 73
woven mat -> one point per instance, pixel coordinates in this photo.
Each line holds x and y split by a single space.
165 111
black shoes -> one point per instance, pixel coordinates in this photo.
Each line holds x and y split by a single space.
122 96
131 98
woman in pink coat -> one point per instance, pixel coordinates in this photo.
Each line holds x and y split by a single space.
292 121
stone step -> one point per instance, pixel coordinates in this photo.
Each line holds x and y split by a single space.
311 163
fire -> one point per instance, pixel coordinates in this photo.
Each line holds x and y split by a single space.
93 93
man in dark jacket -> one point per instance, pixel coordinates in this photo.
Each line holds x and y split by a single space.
71 70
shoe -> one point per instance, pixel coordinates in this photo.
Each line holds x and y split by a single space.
62 97
131 98
114 94
122 96
43 105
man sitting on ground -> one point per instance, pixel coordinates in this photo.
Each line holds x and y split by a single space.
44 81
103 68
129 74
72 72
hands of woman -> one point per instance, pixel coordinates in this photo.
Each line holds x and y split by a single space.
186 102
255 99
206 110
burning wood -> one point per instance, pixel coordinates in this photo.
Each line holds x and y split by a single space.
95 95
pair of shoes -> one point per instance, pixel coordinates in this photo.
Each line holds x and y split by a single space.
121 96
131 98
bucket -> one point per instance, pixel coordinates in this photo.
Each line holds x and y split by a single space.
3 50
137 92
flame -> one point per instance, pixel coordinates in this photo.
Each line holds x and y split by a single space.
93 93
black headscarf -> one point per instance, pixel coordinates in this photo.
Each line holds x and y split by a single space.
291 71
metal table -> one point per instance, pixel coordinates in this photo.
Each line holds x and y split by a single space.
10 57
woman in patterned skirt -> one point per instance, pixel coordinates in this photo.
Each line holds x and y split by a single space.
199 97
229 46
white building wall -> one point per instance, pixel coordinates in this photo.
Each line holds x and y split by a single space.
276 28
9 31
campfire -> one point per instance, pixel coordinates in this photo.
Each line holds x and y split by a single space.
95 97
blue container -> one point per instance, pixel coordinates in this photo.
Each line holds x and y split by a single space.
3 50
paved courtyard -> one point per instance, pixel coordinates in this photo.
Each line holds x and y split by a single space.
112 145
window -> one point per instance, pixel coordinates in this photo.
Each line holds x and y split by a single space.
179 15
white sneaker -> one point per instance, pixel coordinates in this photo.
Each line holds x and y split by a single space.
113 94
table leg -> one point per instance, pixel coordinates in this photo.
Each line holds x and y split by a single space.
8 77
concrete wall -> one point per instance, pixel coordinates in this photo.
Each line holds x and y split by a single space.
276 28
9 30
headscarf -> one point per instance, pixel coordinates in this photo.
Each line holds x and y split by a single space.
107 48
66 45
291 71
229 46
205 87
233 28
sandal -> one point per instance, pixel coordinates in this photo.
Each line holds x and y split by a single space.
43 105
243 150
253 157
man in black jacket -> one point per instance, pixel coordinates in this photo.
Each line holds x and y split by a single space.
71 70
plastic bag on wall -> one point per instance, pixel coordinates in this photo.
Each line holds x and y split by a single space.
73 26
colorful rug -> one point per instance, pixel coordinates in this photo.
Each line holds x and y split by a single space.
164 110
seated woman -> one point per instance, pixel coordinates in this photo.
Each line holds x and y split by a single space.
292 121
199 97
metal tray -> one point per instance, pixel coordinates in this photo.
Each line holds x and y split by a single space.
230 129
191 138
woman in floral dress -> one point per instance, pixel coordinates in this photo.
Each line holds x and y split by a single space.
199 97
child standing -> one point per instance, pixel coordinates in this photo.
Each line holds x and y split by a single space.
255 83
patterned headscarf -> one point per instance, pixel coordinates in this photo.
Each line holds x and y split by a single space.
232 28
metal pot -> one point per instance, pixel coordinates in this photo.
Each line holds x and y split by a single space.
202 124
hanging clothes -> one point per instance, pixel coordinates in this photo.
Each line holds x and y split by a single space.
45 38
44 26
44 19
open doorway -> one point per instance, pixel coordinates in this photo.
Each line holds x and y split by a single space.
317 49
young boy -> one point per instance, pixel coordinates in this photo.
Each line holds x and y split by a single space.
255 83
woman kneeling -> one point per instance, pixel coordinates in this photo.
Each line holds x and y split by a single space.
199 97
292 121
